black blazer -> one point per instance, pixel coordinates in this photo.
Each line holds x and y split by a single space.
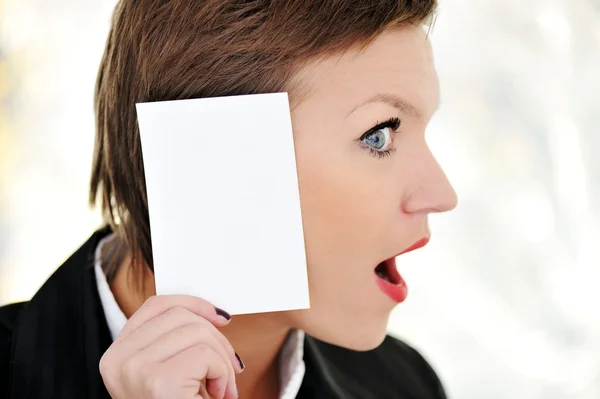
50 347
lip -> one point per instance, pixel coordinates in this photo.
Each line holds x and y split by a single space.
397 291
418 244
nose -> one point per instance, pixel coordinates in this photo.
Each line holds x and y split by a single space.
430 189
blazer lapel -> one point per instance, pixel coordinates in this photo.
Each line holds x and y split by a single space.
56 353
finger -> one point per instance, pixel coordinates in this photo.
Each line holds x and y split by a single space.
236 361
230 387
158 304
179 340
205 333
171 320
231 391
150 331
217 388
201 332
197 363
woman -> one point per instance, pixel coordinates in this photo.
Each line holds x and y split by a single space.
362 88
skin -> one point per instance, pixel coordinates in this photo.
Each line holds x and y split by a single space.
358 210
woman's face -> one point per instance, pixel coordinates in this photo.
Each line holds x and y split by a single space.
368 181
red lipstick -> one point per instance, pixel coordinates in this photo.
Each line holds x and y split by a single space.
389 280
419 244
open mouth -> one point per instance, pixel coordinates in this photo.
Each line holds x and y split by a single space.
389 280
387 271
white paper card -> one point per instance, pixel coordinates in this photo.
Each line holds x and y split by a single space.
224 202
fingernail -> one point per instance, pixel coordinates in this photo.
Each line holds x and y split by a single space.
223 314
239 359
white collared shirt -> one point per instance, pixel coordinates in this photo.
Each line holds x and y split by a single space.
292 368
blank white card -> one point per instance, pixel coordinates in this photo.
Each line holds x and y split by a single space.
224 202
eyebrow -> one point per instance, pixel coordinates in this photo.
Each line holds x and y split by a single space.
394 101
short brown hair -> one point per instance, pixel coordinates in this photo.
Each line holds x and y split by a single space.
161 50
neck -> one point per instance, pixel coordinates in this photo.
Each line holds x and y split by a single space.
257 338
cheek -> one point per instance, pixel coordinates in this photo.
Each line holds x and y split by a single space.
345 202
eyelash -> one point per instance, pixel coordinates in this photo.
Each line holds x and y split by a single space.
393 124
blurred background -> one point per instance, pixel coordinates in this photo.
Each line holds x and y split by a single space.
504 301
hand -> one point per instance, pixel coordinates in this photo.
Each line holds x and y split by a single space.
171 348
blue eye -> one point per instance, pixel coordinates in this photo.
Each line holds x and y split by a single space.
378 140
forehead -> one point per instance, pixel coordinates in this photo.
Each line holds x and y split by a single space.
398 63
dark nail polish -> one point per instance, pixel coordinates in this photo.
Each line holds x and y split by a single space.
223 314
239 359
